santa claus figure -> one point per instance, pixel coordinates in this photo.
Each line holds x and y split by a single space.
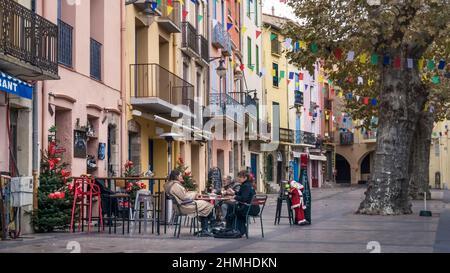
297 203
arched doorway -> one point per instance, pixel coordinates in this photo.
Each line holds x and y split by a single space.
366 168
343 175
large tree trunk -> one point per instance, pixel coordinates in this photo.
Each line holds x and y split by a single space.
402 97
420 157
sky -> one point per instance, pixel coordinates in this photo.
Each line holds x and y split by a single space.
281 9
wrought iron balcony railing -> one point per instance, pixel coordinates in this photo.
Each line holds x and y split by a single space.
170 21
276 46
28 37
154 81
286 135
204 48
302 137
221 39
189 40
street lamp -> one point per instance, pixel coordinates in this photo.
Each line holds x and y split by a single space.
238 74
221 69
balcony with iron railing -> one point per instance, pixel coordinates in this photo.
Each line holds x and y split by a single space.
170 22
306 138
189 43
369 136
156 90
227 106
286 135
204 49
28 43
221 39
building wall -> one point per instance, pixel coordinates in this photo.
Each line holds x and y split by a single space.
439 156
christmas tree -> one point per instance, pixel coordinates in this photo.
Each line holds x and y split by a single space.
189 182
54 193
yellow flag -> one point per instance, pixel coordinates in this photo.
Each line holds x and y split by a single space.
421 63
244 29
320 78
341 94
370 82
303 44
169 10
182 2
363 58
274 72
424 78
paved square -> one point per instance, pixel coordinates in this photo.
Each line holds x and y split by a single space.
335 228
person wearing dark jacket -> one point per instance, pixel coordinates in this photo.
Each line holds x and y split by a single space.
237 211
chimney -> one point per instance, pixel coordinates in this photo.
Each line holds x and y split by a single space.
273 10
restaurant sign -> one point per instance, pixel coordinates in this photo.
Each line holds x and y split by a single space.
15 86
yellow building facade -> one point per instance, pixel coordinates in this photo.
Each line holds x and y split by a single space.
439 156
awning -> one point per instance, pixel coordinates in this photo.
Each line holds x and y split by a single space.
12 85
317 157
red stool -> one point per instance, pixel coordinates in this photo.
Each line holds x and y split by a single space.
84 191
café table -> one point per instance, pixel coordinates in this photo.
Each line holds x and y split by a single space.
216 200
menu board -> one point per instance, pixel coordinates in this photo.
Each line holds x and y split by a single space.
215 176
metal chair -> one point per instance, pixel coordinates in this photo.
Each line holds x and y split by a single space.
260 201
178 215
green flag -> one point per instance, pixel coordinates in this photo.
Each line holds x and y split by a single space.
436 80
282 74
200 18
374 59
314 48
431 65
273 36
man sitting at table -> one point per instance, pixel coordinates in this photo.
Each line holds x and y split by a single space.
187 201
236 213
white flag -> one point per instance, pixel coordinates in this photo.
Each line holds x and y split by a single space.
351 56
410 63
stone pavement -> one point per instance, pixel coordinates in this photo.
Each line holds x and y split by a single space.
335 228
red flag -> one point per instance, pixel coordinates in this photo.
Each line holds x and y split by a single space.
398 62
185 13
169 3
338 53
300 76
366 100
242 67
258 33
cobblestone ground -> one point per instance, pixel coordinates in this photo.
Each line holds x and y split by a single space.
335 228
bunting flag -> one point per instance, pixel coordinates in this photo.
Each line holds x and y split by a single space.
169 3
360 81
288 81
158 2
421 64
185 14
363 58
182 2
366 100
263 71
374 102
370 82
154 5
302 44
274 73
242 67
300 76
357 98
397 62
244 29
258 33
351 56
374 59
314 48
321 80
386 60
410 63
288 43
431 65
281 74
306 87
200 18
273 36
291 75
436 80
441 65
229 26
169 10
338 53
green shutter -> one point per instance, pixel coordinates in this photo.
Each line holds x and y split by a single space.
249 52
257 60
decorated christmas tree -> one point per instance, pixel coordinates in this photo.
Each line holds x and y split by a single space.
189 182
54 193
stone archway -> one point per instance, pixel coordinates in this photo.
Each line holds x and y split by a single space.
343 170
365 164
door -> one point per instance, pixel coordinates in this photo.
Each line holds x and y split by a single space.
110 151
254 166
276 120
315 174
221 161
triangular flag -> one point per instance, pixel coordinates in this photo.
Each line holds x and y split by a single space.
306 87
258 33
436 80
370 82
360 80
282 74
421 63
169 3
314 48
338 53
374 102
321 79
169 10
350 56
182 2
441 65
288 43
200 18
357 98
288 81
185 13
291 75
229 26
273 36
366 100
263 71
410 63
244 29
374 59
300 76
158 2
431 65
242 67
363 58
302 44
386 60
397 62
154 5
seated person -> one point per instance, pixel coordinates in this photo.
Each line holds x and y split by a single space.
187 200
237 210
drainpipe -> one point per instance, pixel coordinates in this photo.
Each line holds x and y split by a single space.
208 90
123 85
